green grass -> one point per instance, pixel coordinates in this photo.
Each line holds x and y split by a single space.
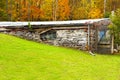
26 60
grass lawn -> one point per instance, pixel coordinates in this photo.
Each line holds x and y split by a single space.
26 60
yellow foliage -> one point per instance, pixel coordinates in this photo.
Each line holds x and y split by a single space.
95 13
80 13
47 8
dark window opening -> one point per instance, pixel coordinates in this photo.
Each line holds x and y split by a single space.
50 35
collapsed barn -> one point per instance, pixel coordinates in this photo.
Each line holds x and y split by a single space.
90 34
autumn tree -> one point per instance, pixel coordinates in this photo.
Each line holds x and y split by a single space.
3 12
35 10
95 13
79 9
48 10
111 5
63 11
97 9
25 9
115 26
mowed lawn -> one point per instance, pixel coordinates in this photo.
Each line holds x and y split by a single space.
26 60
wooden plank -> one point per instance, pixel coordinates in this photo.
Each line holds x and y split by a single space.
69 28
3 29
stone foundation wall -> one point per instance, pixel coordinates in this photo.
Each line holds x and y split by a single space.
72 38
68 38
26 35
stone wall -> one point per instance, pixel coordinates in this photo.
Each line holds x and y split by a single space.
30 35
72 38
76 38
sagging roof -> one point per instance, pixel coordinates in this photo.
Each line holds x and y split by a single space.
103 21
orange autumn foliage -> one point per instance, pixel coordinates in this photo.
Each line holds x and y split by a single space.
63 11
36 10
24 10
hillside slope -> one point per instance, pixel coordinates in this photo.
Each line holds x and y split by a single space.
26 60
